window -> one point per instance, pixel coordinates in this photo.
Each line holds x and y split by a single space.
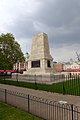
35 64
48 63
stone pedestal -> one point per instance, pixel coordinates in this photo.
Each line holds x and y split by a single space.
40 61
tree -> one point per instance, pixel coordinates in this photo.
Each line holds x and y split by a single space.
78 56
10 51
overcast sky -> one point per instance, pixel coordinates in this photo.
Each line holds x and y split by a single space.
60 19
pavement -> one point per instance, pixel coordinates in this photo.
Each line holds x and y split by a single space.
70 99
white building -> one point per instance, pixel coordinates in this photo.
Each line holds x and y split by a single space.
72 67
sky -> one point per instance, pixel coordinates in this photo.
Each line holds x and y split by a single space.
59 19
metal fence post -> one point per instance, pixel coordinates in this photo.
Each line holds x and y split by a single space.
5 96
72 111
28 103
35 82
63 88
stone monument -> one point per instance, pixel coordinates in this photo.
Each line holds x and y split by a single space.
40 61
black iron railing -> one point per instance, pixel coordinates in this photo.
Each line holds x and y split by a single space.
46 109
56 83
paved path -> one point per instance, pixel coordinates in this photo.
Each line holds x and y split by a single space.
47 95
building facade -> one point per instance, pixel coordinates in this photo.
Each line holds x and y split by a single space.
72 68
19 66
57 67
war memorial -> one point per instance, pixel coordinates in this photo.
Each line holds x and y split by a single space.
40 62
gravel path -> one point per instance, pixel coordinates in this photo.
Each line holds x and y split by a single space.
43 94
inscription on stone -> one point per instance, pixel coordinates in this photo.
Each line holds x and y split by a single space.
35 64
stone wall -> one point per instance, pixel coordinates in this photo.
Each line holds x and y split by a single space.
47 78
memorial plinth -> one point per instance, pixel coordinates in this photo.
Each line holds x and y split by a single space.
40 60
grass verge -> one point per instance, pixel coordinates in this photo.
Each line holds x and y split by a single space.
8 112
66 87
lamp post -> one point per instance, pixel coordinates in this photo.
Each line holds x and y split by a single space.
3 47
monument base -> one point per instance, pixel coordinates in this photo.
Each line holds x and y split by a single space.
38 72
38 78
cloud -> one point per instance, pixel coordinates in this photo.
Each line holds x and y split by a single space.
60 19
64 53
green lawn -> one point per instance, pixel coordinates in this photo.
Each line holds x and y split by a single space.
8 112
67 87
